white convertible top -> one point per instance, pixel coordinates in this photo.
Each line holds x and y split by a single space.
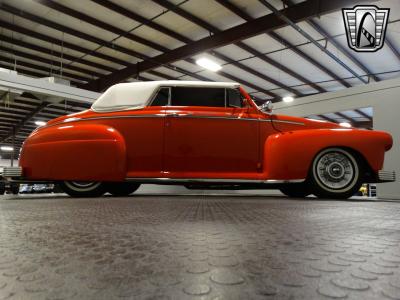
136 95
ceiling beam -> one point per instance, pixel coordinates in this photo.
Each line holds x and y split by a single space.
239 12
104 26
359 111
56 65
55 57
192 18
58 42
27 72
309 59
48 70
343 116
327 118
129 14
55 54
235 9
14 131
359 124
312 40
100 24
102 43
392 47
342 49
364 124
297 13
330 39
138 18
76 33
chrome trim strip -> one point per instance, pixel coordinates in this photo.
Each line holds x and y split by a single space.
288 122
157 116
183 115
212 117
105 117
285 181
212 180
120 117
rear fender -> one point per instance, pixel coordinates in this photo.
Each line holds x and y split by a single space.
91 152
289 155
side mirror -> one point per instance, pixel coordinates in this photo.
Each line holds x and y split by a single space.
267 107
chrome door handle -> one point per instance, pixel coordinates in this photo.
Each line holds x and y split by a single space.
173 115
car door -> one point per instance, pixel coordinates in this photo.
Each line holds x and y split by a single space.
143 131
205 137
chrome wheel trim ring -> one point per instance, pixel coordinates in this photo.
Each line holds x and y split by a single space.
335 170
82 186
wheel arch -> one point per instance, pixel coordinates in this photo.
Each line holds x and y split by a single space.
289 155
80 152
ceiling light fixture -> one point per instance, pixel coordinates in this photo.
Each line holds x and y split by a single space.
288 99
345 124
208 64
40 123
6 148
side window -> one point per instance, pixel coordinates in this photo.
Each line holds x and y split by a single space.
161 99
191 96
234 98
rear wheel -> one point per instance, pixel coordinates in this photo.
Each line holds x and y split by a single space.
336 173
2 188
120 189
296 190
83 188
14 188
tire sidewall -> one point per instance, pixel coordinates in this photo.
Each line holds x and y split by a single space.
296 190
121 189
74 189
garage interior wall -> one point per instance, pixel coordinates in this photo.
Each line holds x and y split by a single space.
383 97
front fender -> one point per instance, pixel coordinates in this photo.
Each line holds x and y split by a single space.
288 155
91 152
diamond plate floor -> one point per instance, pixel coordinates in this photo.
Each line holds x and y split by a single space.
198 247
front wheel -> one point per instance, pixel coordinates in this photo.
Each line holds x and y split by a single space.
121 189
336 173
83 188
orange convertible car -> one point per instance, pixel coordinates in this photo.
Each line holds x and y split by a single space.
202 135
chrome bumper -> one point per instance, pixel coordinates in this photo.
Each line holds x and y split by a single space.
386 176
12 172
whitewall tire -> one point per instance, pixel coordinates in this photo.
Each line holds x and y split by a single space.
336 173
83 188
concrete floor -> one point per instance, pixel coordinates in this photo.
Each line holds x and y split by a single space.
198 247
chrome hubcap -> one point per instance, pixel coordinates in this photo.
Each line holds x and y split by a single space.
335 170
